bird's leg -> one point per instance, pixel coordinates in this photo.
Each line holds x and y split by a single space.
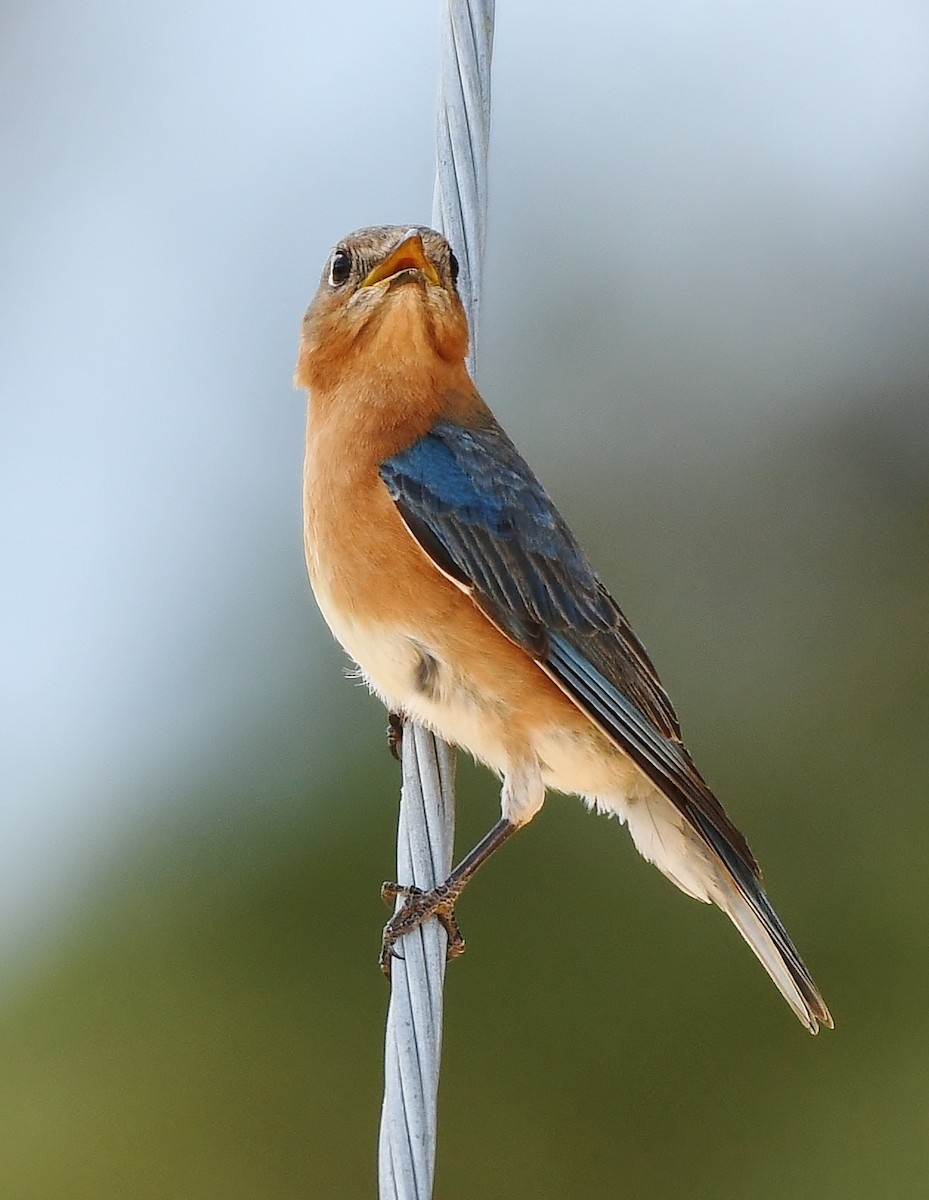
440 901
394 733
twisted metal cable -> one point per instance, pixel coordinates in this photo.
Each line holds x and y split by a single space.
459 207
425 836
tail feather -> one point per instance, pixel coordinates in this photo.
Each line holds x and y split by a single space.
740 896
697 856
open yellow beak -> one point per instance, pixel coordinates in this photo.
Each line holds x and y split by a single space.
408 256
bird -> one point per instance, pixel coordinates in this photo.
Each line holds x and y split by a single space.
448 575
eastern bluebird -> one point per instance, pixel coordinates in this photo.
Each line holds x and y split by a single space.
448 575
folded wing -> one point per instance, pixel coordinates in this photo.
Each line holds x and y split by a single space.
475 507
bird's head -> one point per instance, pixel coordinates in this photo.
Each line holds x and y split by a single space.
388 296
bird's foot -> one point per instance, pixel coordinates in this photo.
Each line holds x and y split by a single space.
394 733
419 906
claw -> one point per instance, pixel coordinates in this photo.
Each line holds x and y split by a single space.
440 902
387 956
394 733
419 907
390 891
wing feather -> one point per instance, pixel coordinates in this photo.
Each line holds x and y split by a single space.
475 507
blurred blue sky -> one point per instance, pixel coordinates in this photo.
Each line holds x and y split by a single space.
703 218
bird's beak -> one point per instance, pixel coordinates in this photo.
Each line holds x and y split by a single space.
410 255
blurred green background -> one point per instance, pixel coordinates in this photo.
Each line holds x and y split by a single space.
705 324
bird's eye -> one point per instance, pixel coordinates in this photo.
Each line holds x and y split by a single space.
453 265
341 267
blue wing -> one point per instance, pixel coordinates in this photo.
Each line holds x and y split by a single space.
476 508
